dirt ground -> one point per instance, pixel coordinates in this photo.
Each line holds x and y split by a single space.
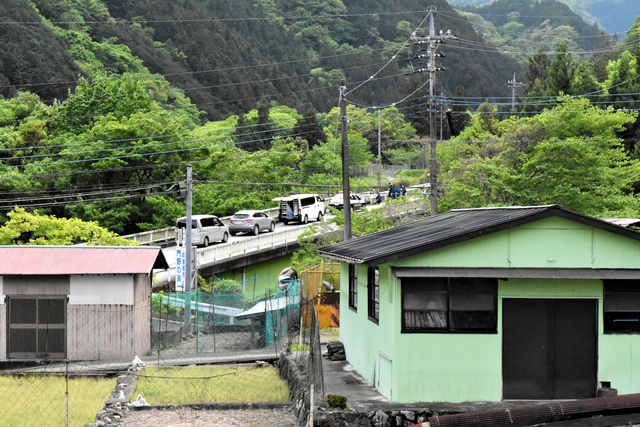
209 343
188 417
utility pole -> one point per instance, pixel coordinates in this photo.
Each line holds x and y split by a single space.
187 230
346 187
379 156
514 84
433 41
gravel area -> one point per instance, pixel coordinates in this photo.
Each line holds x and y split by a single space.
187 417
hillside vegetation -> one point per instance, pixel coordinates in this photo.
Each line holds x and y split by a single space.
115 98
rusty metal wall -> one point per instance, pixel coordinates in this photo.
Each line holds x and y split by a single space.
3 330
142 291
111 331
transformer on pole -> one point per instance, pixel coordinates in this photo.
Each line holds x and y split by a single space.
432 41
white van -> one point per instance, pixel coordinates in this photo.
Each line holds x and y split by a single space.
300 208
204 230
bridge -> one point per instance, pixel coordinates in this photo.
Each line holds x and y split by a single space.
241 250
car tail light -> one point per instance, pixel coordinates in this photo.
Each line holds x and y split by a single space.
249 219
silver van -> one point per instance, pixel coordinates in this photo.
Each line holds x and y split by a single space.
300 208
204 230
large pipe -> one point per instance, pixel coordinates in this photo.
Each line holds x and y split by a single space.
523 416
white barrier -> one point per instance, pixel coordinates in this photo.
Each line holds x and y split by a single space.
169 233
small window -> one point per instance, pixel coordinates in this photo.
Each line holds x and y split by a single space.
373 293
353 286
449 305
622 306
308 201
206 222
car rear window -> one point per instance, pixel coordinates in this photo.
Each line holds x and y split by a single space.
241 216
181 223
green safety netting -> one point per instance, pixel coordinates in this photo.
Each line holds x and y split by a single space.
282 312
268 311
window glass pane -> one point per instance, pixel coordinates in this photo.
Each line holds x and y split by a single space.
471 302
628 322
416 284
414 319
424 301
471 285
622 302
478 320
622 286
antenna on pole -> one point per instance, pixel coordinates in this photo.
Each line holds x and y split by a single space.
431 52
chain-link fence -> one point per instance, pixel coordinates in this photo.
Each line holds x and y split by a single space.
53 395
224 322
71 394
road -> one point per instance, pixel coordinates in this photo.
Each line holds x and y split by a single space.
170 252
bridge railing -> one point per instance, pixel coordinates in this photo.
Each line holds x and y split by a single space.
166 235
244 247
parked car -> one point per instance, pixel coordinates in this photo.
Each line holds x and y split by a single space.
204 230
250 221
338 200
300 207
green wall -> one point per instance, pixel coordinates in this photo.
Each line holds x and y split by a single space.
468 367
267 269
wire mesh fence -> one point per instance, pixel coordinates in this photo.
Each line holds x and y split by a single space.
281 320
212 384
54 398
210 322
306 347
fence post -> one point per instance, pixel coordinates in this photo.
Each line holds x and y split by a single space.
311 405
213 310
66 396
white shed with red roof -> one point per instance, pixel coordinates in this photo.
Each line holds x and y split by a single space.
76 302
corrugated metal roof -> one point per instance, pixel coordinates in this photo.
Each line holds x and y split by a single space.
448 228
518 273
625 222
53 260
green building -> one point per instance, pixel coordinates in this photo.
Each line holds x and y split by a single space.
493 304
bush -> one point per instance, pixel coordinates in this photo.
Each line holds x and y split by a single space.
337 401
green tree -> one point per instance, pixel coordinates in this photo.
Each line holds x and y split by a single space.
561 73
24 228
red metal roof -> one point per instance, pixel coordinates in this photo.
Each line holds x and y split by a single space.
51 260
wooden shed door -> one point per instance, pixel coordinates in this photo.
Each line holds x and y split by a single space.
36 327
549 348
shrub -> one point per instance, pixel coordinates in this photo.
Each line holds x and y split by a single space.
337 401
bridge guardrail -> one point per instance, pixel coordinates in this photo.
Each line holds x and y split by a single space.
165 235
243 247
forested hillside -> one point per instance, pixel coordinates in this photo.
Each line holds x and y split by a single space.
105 103
611 16
226 55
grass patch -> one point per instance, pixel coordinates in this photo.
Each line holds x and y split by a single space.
332 331
39 400
163 386
299 347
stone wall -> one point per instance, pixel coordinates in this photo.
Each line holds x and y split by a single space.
115 407
299 390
